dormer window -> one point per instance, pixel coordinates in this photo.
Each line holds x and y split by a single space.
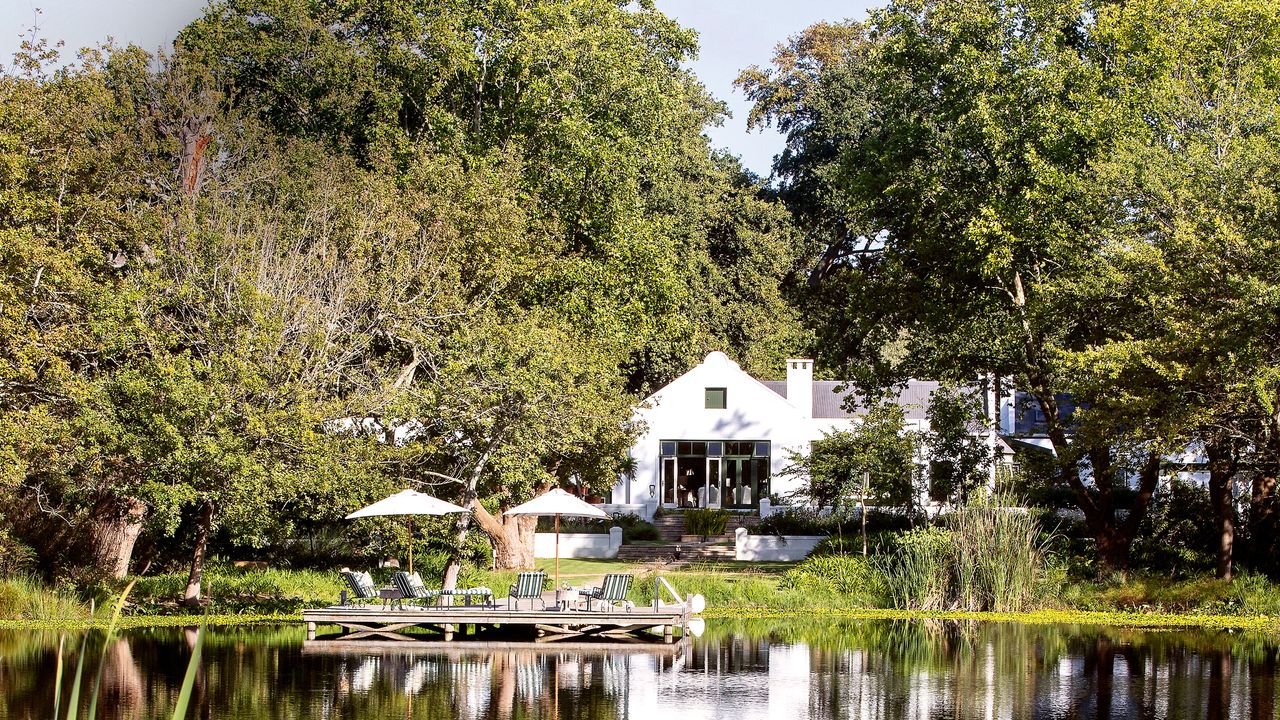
715 399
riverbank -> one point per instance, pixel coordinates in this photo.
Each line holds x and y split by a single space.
1148 620
732 590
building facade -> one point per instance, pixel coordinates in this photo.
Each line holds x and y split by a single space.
717 437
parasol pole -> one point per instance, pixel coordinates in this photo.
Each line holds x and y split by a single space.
410 543
557 551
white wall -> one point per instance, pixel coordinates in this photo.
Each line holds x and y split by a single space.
753 412
774 548
579 545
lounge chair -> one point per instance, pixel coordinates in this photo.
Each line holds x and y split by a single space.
361 585
411 587
614 589
528 587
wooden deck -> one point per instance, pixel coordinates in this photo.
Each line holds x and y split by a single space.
485 622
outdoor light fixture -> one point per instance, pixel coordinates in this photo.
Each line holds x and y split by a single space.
653 490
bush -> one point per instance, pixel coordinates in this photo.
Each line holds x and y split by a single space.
706 522
233 590
1174 537
990 558
633 526
807 521
850 576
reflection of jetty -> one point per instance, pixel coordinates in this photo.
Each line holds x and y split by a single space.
491 623
470 648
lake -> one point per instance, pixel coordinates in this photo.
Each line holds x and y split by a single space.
738 669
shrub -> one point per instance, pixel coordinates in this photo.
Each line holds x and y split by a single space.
851 576
706 522
1174 538
807 521
991 557
633 526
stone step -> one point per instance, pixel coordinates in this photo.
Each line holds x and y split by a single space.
675 552
672 526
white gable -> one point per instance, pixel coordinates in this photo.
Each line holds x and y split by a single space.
752 411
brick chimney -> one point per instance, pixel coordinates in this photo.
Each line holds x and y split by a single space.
800 384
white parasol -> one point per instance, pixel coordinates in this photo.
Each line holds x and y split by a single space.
408 502
557 502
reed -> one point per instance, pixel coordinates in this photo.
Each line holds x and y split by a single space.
27 598
990 557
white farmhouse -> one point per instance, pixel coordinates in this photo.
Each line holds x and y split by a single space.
717 437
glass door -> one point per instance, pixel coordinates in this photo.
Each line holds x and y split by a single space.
668 481
713 483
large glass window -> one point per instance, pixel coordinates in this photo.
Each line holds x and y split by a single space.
730 473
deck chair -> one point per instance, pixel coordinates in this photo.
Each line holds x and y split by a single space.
361 586
614 589
411 587
528 587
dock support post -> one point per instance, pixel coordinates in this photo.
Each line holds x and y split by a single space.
311 631
448 633
666 634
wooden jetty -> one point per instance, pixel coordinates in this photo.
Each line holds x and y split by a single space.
550 625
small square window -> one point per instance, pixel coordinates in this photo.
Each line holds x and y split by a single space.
715 398
762 449
668 448
714 449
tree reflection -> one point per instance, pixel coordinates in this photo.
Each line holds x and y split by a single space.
797 669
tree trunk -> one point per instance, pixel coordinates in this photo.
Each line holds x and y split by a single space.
862 510
512 538
191 597
1263 504
1222 468
463 526
1113 537
115 531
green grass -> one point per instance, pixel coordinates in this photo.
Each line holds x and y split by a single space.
231 590
27 598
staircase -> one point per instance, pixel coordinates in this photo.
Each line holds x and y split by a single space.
671 525
675 552
671 528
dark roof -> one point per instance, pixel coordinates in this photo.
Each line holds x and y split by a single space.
829 403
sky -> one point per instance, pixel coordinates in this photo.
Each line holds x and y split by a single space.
733 34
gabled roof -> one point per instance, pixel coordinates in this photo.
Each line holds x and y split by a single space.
828 401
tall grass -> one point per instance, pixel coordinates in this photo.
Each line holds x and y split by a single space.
990 556
999 554
919 570
27 598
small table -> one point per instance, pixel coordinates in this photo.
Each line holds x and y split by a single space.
393 596
566 598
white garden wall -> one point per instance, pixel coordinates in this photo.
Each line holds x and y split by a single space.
774 548
579 545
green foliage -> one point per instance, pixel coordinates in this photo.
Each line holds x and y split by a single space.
990 556
26 597
960 457
875 460
1174 537
633 526
401 267
255 591
802 520
852 578
706 522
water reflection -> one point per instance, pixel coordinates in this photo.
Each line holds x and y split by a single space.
740 670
